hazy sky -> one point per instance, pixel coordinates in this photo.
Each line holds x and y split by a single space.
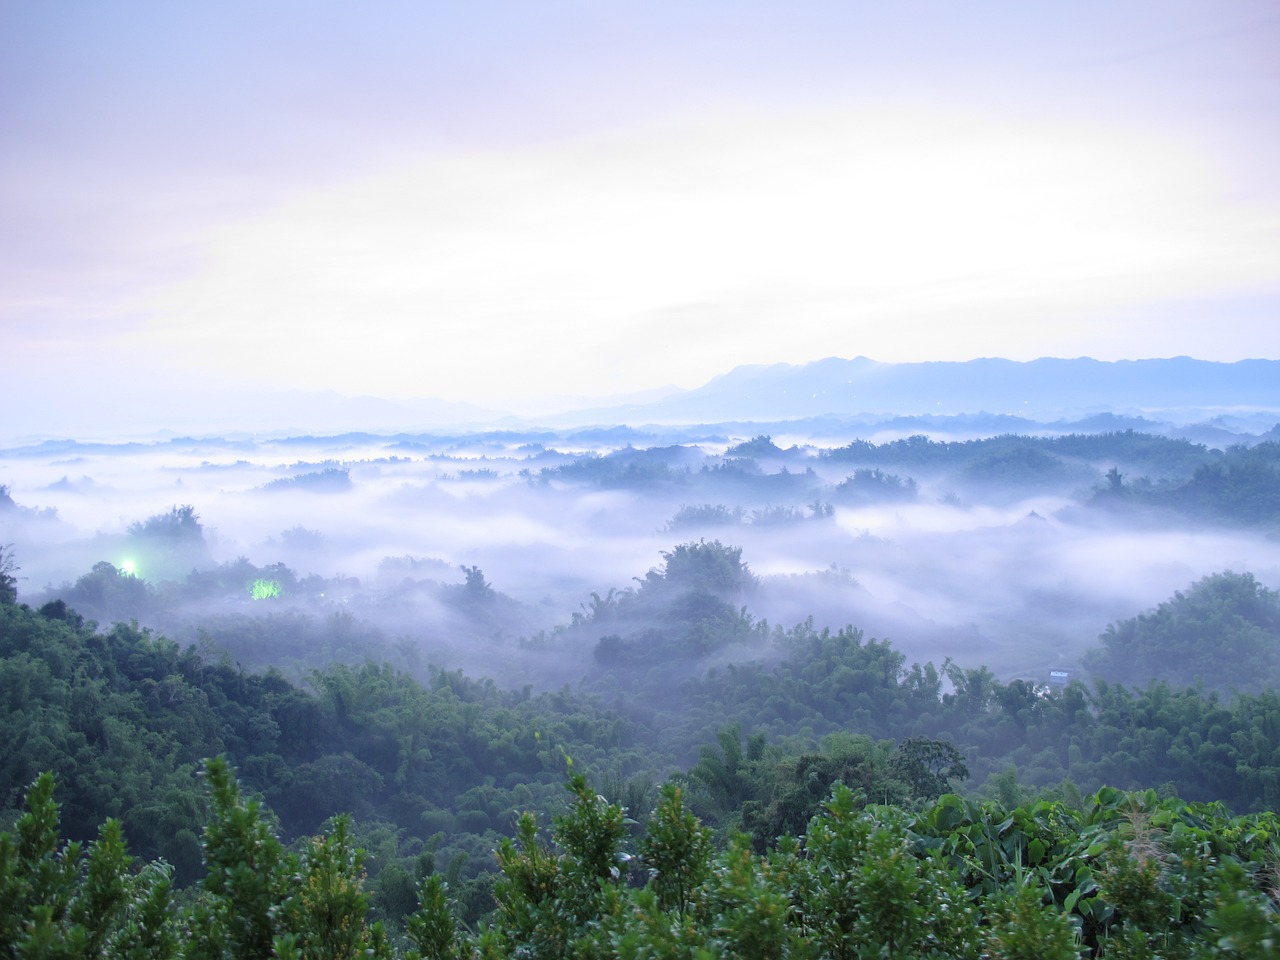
500 201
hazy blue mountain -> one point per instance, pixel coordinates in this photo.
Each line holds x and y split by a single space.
1044 388
979 397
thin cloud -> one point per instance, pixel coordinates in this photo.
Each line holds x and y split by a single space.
494 275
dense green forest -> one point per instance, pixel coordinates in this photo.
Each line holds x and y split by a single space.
438 774
1118 875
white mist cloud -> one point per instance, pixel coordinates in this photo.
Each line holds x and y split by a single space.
985 583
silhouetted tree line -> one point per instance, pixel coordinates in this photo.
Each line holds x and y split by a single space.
1126 470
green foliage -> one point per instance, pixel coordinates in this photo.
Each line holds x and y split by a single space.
677 848
867 485
591 836
534 920
1020 459
8 574
626 468
750 911
433 928
1024 927
758 447
727 776
928 766
177 525
706 515
108 594
329 480
546 899
1240 486
780 514
868 894
258 900
59 901
701 567
1223 632
1242 922
245 879
326 910
263 589
1126 876
680 612
124 716
792 790
167 545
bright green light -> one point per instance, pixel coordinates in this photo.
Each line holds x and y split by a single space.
128 568
265 589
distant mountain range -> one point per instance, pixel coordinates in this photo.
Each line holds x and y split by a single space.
1176 391
1040 389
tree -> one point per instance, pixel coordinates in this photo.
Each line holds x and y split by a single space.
245 882
475 588
866 894
1223 631
928 766
678 850
547 897
177 525
702 566
169 544
8 575
59 900
727 777
1023 927
326 915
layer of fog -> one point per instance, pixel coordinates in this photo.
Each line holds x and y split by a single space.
1021 582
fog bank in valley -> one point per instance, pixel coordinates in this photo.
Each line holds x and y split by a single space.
494 552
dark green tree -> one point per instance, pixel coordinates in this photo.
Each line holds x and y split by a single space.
59 900
929 766
678 850
8 575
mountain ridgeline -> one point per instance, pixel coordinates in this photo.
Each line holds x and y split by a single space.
1036 388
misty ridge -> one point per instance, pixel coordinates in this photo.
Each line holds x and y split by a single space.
630 559
971 615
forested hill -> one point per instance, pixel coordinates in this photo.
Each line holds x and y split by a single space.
124 717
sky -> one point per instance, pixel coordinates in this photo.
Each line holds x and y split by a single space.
509 203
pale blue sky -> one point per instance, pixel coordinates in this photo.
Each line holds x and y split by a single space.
501 202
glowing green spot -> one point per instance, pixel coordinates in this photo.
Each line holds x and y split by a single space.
265 589
128 568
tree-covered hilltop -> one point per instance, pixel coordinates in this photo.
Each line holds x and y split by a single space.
1157 456
123 718
1223 633
1119 471
1241 487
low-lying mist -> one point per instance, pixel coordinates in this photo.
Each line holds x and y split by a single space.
490 553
